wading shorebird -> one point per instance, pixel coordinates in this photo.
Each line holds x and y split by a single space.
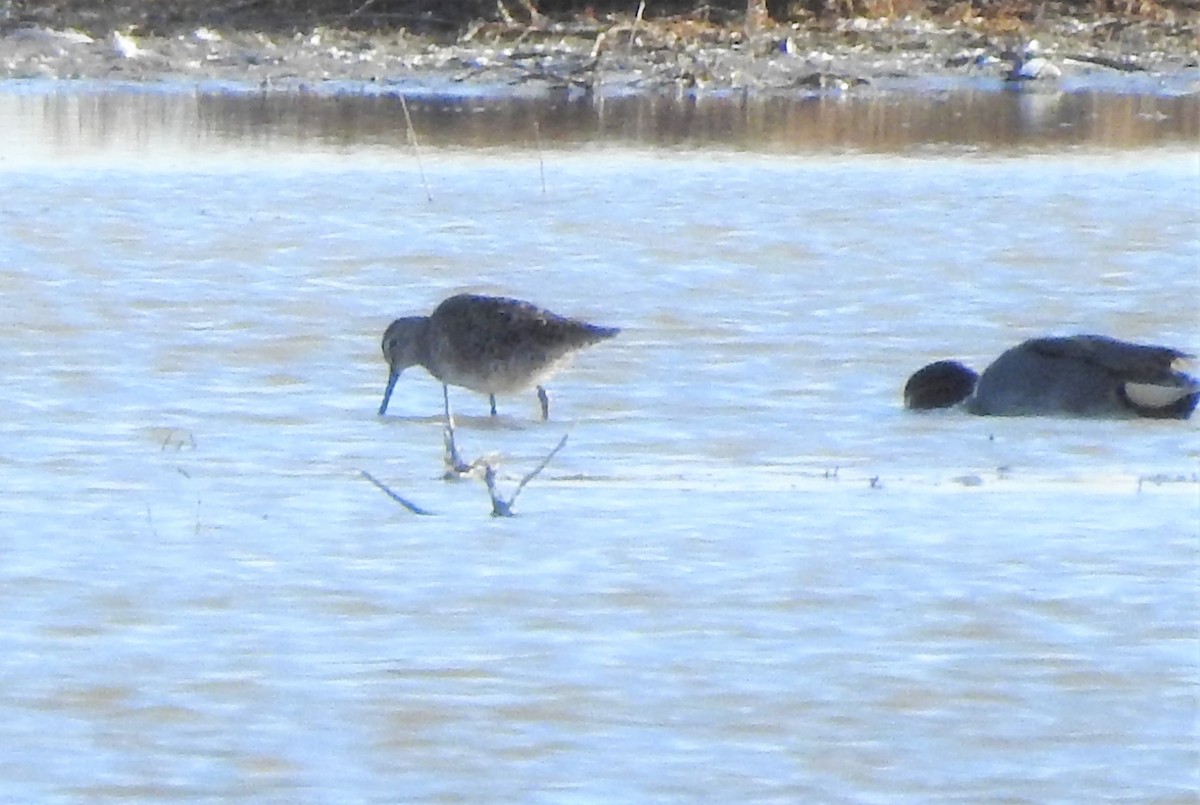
488 344
1081 375
1028 64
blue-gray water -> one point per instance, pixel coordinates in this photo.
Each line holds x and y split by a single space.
749 576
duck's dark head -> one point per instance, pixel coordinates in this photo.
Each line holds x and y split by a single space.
939 385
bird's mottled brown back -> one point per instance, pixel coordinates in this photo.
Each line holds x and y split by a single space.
496 344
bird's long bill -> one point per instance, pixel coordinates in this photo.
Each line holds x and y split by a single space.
387 393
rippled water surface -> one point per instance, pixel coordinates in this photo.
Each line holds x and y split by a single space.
749 575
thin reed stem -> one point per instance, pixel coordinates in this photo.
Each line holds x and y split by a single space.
412 138
537 136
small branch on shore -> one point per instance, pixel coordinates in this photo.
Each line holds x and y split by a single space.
636 20
360 9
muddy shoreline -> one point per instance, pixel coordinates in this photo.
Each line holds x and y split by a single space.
616 56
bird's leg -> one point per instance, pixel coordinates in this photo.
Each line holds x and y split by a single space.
492 399
545 401
455 466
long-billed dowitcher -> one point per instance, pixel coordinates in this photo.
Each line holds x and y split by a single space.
488 344
1081 375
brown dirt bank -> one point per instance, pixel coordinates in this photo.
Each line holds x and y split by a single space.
810 43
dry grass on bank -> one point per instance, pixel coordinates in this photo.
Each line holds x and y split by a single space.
450 18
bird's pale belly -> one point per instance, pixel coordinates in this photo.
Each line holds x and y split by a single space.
499 377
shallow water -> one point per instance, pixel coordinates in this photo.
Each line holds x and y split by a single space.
749 576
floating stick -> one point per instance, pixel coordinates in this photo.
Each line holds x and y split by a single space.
412 507
501 507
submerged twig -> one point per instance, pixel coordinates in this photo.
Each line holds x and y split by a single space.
178 438
412 507
502 507
412 137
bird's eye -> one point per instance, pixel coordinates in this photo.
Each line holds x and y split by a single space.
392 342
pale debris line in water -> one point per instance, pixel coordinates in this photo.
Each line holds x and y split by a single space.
412 507
1159 479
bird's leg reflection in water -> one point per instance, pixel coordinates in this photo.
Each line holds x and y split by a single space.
455 466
